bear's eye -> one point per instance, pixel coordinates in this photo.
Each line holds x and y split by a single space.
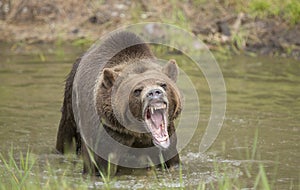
137 92
164 86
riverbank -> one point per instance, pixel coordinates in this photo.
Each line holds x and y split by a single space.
259 27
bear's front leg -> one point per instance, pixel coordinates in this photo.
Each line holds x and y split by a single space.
172 162
95 165
170 155
109 153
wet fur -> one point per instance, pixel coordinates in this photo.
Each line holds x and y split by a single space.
68 137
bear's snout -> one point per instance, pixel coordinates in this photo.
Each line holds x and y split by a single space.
154 94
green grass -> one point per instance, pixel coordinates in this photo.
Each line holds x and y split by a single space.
23 176
288 10
17 173
24 172
292 11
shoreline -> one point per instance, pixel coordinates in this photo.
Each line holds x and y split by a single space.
222 28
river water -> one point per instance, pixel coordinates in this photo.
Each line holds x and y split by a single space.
261 126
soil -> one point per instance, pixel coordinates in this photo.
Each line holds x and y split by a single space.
35 21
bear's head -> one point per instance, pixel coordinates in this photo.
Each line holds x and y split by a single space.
140 97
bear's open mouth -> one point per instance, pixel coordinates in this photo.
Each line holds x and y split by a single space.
156 120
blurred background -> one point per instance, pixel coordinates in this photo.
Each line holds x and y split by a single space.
261 26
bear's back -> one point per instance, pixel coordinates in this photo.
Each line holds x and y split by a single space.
118 48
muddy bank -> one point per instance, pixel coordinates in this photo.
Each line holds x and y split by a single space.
221 27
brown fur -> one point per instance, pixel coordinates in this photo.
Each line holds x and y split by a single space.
130 64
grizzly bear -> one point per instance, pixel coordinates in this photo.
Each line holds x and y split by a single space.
120 102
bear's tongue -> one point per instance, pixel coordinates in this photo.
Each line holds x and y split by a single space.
158 128
157 119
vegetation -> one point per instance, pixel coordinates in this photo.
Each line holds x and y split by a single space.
288 10
24 172
245 20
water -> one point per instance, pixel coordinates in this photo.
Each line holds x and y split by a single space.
263 98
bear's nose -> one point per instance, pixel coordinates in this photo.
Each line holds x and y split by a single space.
154 93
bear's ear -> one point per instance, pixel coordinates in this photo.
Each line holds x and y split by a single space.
171 70
109 77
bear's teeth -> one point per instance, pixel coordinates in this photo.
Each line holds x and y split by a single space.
163 106
151 109
156 107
